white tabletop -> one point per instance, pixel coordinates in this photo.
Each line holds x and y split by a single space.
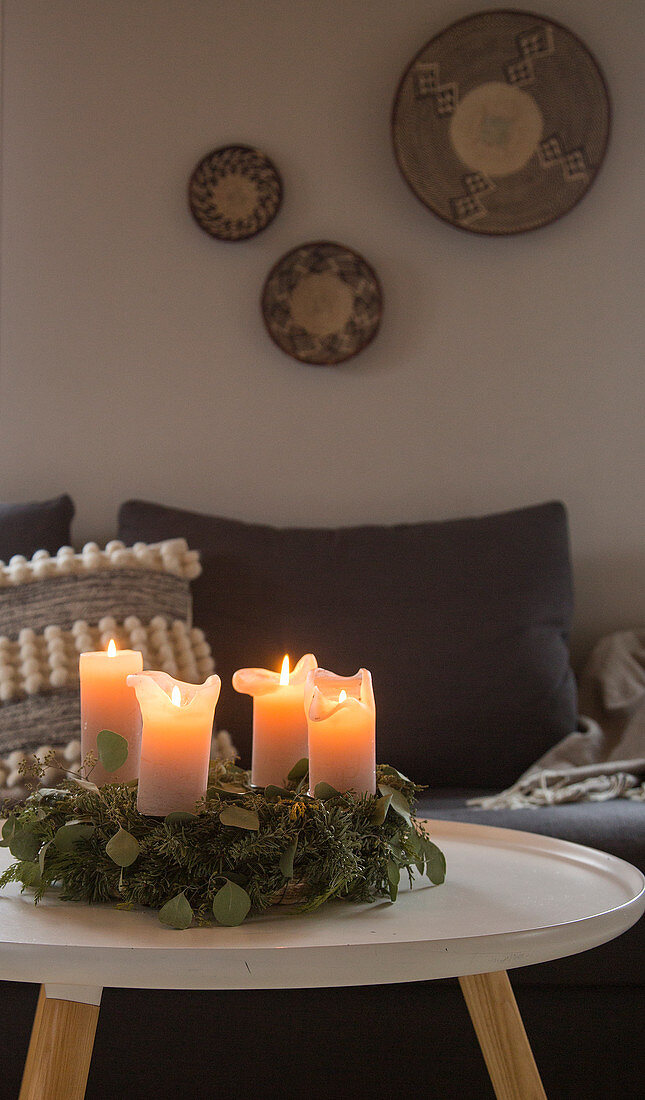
510 899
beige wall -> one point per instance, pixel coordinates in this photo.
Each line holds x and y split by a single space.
134 358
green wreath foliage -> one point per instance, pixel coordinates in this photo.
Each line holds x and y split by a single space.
241 851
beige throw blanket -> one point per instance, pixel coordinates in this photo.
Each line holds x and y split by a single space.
606 758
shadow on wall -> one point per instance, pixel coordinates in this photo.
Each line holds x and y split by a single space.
605 593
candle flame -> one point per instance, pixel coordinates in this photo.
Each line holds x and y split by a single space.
175 698
111 649
342 697
284 674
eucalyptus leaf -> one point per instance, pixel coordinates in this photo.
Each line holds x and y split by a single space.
24 845
177 912
41 856
416 844
123 848
230 788
379 812
398 801
286 860
179 817
231 904
387 769
240 817
415 841
49 792
435 862
299 770
86 784
8 829
112 749
69 834
393 876
29 874
274 794
324 791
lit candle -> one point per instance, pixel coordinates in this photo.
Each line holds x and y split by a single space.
175 741
107 702
279 720
341 715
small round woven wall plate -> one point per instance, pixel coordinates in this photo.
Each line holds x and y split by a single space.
234 192
500 122
322 303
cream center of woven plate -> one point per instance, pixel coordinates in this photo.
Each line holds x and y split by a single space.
495 128
236 197
321 303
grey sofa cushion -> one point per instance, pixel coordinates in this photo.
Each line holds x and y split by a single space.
617 827
37 525
463 624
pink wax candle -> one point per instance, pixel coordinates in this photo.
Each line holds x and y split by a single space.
341 715
175 741
279 720
107 702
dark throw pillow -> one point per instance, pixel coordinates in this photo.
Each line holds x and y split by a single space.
39 525
463 623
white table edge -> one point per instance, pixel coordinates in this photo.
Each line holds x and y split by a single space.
254 967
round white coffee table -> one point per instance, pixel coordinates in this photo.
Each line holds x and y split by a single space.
510 899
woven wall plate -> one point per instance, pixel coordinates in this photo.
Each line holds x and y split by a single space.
501 121
234 192
322 303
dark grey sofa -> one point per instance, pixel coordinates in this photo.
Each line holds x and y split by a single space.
465 628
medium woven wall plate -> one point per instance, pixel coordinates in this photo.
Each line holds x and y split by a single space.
501 122
234 192
322 303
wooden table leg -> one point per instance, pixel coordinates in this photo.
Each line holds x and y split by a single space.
505 1046
60 1049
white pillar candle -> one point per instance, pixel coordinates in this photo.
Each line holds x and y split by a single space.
279 720
341 715
108 703
175 741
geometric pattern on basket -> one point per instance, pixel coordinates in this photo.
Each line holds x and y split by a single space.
346 268
469 207
229 164
573 164
426 83
531 57
532 45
